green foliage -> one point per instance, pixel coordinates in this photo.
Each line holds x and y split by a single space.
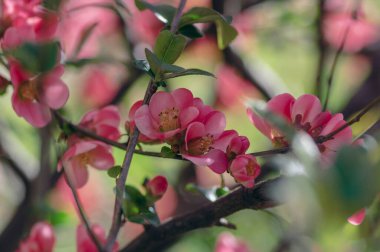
163 12
169 46
211 194
190 31
137 208
167 152
52 5
114 172
225 32
37 58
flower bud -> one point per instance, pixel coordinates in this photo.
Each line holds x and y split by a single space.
157 186
245 169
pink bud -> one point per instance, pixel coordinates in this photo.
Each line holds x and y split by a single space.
228 243
157 186
358 217
41 238
244 168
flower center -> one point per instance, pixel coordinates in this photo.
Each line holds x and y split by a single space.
84 159
200 146
251 168
29 90
169 119
278 139
306 127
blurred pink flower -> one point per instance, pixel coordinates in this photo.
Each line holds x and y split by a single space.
145 27
33 97
82 154
245 169
358 217
231 88
166 115
103 122
157 186
304 113
228 243
361 32
40 239
98 88
84 241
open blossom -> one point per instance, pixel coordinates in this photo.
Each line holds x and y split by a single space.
157 186
33 97
228 243
245 169
205 142
167 114
82 154
85 243
40 239
304 113
103 122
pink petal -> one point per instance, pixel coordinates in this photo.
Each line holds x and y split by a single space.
144 122
133 109
215 123
187 116
308 106
183 98
35 113
260 123
282 105
55 93
77 173
220 161
160 101
224 140
101 158
358 217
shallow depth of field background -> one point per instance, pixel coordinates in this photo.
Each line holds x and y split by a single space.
277 38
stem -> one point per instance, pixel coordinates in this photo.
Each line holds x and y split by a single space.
83 215
120 182
322 48
177 16
338 53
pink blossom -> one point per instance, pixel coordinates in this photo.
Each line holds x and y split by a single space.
228 243
361 33
244 168
98 88
157 186
166 115
104 122
40 239
33 97
145 26
232 88
85 243
238 145
358 217
304 113
205 143
82 154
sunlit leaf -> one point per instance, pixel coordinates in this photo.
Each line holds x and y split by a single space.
169 46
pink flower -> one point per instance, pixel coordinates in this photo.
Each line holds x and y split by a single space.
85 243
231 87
40 239
98 88
358 217
130 124
205 143
33 97
166 115
104 122
304 113
82 154
157 186
228 243
245 169
238 145
361 33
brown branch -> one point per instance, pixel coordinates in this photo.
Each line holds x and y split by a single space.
259 197
322 47
83 215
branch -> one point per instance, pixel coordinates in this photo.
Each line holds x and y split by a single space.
259 197
322 47
354 16
83 215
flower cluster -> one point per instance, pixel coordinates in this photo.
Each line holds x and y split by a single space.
196 131
82 152
304 113
34 93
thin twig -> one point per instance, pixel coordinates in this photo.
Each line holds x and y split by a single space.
354 16
83 215
177 16
322 47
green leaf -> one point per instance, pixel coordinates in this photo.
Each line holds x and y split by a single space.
114 172
37 58
158 67
190 31
191 71
84 37
225 32
221 191
165 13
169 46
167 152
132 194
52 5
